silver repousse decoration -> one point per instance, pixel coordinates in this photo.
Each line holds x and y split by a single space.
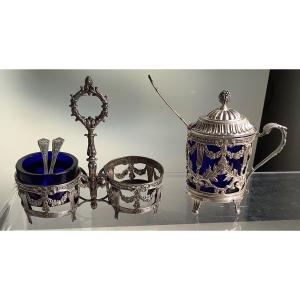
134 190
70 191
223 121
218 151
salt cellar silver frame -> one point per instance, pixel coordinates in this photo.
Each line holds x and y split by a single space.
143 185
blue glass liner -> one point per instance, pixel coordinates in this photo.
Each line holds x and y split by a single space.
29 169
207 162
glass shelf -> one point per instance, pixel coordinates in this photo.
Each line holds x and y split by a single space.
273 202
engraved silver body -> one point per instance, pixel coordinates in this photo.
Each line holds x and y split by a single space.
44 148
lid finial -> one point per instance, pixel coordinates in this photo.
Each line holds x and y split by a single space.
224 98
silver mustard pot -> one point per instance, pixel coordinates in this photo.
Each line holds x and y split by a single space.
218 151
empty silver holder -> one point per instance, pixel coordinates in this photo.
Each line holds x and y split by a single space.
133 184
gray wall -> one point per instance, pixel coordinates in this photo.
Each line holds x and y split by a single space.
281 106
35 103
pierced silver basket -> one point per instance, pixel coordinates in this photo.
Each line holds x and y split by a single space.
133 184
44 206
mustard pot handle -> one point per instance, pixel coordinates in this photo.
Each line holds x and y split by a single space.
266 130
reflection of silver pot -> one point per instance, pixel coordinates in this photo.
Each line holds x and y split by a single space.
218 150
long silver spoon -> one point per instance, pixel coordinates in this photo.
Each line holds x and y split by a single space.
56 145
44 147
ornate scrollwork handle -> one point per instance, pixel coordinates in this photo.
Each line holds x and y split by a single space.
90 90
266 130
90 124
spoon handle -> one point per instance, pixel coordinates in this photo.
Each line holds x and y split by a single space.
44 147
173 110
56 145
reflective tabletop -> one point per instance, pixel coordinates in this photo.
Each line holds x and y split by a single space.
273 202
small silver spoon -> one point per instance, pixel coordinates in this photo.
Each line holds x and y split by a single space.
56 145
44 147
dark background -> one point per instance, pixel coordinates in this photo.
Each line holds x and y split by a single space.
281 106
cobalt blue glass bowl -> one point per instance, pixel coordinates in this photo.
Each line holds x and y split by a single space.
29 169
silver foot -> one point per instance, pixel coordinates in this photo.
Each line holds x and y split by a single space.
72 205
73 216
116 213
94 204
27 207
237 207
29 218
155 208
196 206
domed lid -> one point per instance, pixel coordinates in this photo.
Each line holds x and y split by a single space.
223 121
